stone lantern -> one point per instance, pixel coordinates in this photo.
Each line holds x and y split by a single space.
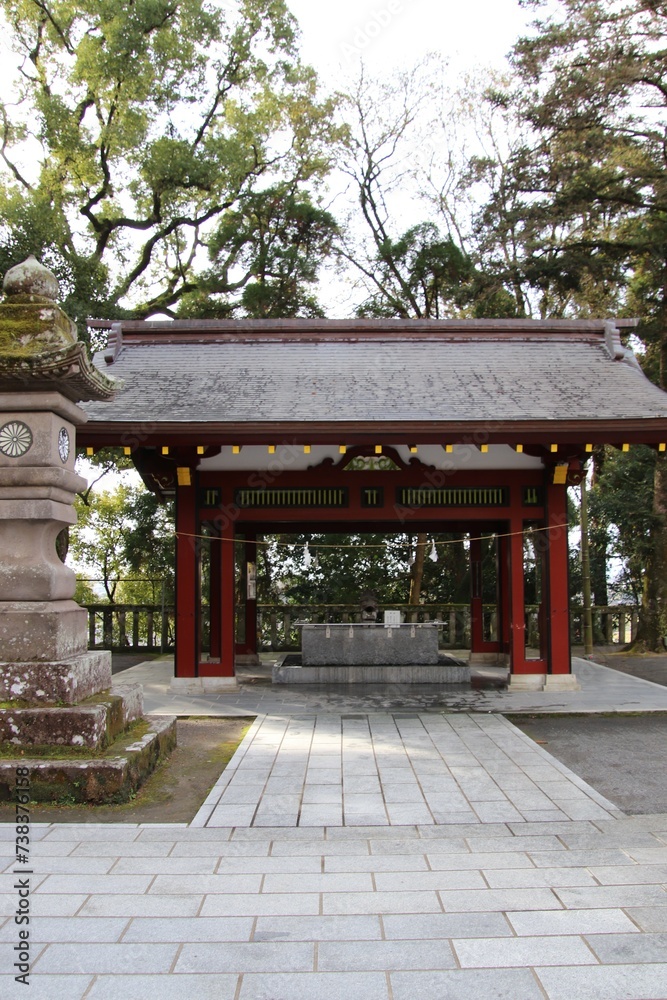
46 670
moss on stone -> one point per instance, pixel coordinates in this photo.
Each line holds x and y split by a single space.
28 329
134 732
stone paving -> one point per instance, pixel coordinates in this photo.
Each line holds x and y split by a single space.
602 690
391 855
391 770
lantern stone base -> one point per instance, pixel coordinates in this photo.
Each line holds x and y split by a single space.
61 682
41 631
111 777
56 711
93 724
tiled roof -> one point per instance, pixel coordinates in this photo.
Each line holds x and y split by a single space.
472 378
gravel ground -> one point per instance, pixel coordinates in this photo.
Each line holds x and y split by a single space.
650 667
624 757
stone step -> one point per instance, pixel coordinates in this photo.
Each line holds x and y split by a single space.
60 682
111 778
95 723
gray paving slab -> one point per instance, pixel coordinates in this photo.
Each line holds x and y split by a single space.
584 859
491 845
253 956
466 984
362 956
423 901
99 958
271 904
325 882
46 905
186 929
628 948
338 928
649 918
488 900
613 895
49 929
63 884
167 884
416 926
449 879
165 866
182 987
375 863
499 953
610 982
319 847
629 874
526 877
608 921
125 849
320 985
47 987
527 901
64 865
648 855
139 906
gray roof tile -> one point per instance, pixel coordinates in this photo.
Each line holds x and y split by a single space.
443 380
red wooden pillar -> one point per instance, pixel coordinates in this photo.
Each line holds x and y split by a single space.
187 597
247 646
228 617
557 589
476 605
225 611
250 638
503 599
517 615
215 598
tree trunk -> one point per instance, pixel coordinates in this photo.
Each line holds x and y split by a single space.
586 571
598 533
417 570
653 616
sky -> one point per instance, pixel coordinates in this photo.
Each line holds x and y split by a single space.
394 33
390 35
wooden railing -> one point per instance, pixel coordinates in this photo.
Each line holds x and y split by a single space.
612 625
151 627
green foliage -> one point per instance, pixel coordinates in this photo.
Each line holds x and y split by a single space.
84 593
137 128
97 540
588 183
275 242
623 498
125 533
346 565
150 550
421 274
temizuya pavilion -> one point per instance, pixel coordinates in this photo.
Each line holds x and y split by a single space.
253 426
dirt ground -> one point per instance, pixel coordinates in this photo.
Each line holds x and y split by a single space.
175 790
